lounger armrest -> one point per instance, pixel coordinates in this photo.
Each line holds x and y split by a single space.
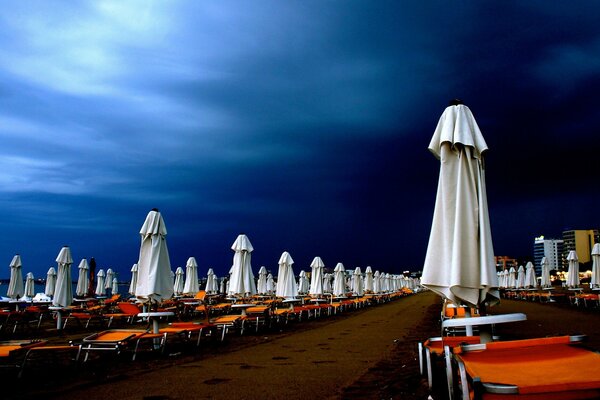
499 388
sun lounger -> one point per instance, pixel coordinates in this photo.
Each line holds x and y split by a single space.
118 340
128 311
18 354
227 322
548 368
187 330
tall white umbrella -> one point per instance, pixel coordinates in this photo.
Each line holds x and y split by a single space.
459 264
316 277
191 286
100 287
512 278
339 280
595 282
357 282
573 273
286 282
223 285
545 282
270 284
83 280
376 282
50 282
110 275
368 280
261 287
29 290
179 281
115 286
15 285
327 286
63 294
520 277
530 278
154 266
303 285
242 279
211 282
134 278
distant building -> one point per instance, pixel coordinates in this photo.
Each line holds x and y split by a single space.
582 242
505 262
552 249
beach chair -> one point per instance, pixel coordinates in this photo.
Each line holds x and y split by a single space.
258 315
547 368
119 340
128 312
186 330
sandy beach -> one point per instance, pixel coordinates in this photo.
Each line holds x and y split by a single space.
367 354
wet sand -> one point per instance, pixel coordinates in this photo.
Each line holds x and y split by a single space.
368 354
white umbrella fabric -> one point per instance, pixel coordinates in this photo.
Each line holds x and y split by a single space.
110 275
327 287
211 282
520 277
83 280
134 278
242 279
154 266
179 281
595 282
50 282
15 285
303 285
261 287
63 294
191 286
459 264
115 286
357 282
573 273
339 280
29 290
100 287
376 282
286 282
316 277
223 285
512 278
369 279
530 278
270 284
545 282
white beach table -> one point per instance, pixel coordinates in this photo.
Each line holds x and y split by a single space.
155 316
242 307
486 320
291 302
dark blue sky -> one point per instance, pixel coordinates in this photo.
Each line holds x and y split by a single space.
303 124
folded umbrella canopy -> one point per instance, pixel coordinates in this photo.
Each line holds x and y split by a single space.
512 278
115 286
261 287
63 294
369 279
573 273
242 279
83 281
29 290
357 282
179 281
316 277
110 275
100 279
459 264
376 282
191 285
520 277
595 281
15 285
545 282
286 282
339 280
154 266
211 282
270 284
50 282
530 278
134 277
303 285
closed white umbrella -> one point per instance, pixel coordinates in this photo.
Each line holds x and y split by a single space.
50 282
110 275
134 278
179 281
100 287
191 286
211 282
459 264
29 290
154 266
339 280
303 285
376 282
530 278
261 287
270 284
327 286
223 285
573 273
369 280
512 278
545 282
63 294
595 282
242 279
83 280
286 282
520 277
316 277
15 285
115 286
357 282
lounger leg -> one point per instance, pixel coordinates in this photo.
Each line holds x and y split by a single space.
429 375
449 374
420 351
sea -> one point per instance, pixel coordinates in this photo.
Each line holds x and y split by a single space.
40 286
